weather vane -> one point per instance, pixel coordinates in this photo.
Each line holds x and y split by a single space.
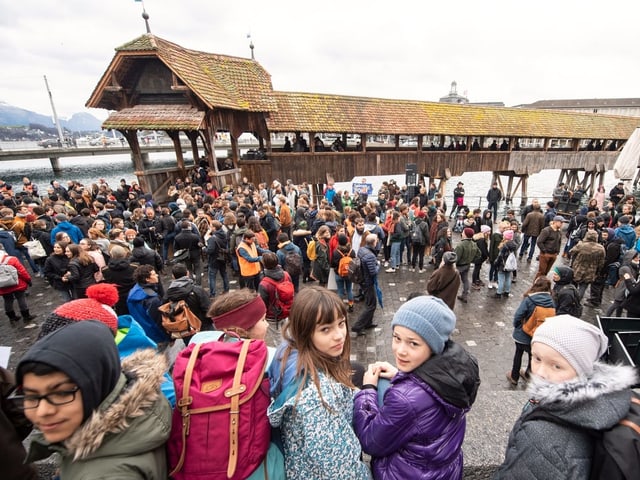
145 15
251 46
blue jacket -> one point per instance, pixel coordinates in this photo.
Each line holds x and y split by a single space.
130 338
143 303
74 232
628 234
524 311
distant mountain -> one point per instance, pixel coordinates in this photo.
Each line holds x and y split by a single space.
11 116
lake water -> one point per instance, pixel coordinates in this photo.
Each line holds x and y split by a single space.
112 168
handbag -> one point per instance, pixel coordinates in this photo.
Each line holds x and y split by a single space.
35 249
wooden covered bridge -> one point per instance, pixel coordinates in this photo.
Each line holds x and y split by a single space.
154 84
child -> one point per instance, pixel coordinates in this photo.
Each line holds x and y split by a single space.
418 430
311 384
569 383
507 246
538 295
106 421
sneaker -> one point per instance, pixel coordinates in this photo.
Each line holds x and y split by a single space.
511 380
523 374
507 295
514 280
411 269
386 264
422 270
475 286
498 295
490 286
350 309
390 270
462 299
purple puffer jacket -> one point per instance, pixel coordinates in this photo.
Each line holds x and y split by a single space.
418 432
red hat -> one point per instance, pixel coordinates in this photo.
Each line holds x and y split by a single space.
245 316
468 232
102 297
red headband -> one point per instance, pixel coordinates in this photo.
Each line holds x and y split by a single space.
245 316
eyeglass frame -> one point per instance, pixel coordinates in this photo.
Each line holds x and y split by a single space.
20 399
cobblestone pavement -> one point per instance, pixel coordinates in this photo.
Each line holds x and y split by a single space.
483 327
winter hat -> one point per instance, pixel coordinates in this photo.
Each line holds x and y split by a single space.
558 218
485 229
450 257
61 217
579 342
468 232
430 318
98 306
507 234
86 352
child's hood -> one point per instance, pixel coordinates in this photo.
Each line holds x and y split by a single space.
453 374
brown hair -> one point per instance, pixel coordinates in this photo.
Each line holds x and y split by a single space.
82 256
541 284
314 306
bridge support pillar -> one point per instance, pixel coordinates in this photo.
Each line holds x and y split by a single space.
145 160
55 165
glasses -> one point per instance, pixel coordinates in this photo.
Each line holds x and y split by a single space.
61 397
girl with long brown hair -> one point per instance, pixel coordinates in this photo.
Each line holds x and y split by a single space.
311 383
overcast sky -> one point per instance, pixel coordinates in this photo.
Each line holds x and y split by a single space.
508 51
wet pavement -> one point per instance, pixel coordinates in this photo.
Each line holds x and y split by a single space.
483 328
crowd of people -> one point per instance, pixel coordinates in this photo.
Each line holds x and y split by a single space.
106 249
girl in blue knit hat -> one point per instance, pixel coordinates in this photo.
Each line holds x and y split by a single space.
417 430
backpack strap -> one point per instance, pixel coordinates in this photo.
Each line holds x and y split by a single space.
184 403
234 413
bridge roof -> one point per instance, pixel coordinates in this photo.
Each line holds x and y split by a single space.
220 81
346 114
156 117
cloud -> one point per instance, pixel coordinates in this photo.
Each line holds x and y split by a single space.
497 50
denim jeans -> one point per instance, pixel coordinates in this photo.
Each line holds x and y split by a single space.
214 268
395 254
521 348
504 282
527 241
345 286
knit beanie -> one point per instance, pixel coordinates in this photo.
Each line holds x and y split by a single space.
450 257
430 318
98 306
468 232
507 234
579 342
86 352
485 228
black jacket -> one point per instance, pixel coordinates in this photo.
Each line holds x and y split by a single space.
184 289
120 272
54 268
146 256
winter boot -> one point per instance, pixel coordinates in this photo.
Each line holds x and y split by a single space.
26 316
13 317
27 319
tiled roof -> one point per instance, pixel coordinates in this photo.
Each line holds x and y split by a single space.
586 103
220 81
344 114
156 117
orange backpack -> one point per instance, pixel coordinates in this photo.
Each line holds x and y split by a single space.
537 318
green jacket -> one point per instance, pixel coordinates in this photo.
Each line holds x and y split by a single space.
466 252
125 437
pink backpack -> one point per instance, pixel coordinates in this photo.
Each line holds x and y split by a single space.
220 428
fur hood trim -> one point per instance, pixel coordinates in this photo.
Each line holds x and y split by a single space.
136 392
605 379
